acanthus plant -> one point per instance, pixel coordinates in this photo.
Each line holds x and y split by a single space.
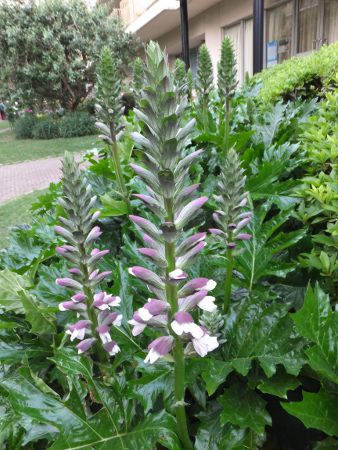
204 82
227 83
232 215
94 308
169 245
109 112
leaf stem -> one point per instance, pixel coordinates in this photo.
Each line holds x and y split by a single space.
228 280
179 376
118 169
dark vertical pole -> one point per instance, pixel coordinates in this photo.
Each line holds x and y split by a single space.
185 33
258 35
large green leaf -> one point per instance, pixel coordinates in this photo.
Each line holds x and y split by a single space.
262 332
11 284
279 385
243 407
75 432
317 322
41 321
211 435
258 259
157 379
317 411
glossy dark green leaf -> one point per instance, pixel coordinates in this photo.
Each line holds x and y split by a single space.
28 400
264 332
41 322
319 323
258 258
245 408
317 410
156 380
11 284
214 373
211 435
279 385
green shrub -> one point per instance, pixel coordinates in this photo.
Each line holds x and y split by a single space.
299 76
46 127
23 127
77 124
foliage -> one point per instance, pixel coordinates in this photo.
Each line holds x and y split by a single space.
272 380
49 49
23 127
49 126
298 76
76 124
46 128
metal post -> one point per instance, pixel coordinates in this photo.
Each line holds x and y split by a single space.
185 32
258 35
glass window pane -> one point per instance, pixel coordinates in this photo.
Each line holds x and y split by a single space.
279 33
307 25
331 21
248 46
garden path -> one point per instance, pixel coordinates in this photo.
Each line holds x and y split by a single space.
25 177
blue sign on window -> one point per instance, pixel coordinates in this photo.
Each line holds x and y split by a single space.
271 53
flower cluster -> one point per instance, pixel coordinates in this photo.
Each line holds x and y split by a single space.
92 307
168 246
231 216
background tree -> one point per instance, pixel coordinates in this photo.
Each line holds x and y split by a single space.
49 50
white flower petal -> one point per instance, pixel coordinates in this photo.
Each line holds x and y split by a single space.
144 314
152 356
177 327
207 304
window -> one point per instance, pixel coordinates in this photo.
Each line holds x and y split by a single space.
299 26
279 33
307 25
242 38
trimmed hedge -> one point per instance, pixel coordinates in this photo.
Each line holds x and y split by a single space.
29 126
299 76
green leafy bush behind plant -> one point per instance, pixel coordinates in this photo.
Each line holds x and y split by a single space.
24 126
77 124
299 76
46 128
51 126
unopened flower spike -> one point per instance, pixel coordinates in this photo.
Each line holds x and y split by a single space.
232 215
169 244
95 309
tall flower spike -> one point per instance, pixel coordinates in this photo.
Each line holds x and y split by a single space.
227 83
138 76
231 217
109 112
92 306
181 77
205 79
171 247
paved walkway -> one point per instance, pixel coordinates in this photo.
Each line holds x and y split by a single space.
23 178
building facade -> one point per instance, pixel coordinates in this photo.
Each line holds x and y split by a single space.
291 27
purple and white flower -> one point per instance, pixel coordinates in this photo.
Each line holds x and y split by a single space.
158 348
184 323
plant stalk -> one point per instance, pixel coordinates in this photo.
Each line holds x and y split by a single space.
227 125
179 376
118 169
228 280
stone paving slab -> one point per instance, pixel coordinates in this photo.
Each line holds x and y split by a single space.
25 177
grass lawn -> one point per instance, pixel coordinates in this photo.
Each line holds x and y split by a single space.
16 212
14 150
4 124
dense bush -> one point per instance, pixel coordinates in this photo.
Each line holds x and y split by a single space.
255 355
53 126
77 124
24 126
46 127
299 77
